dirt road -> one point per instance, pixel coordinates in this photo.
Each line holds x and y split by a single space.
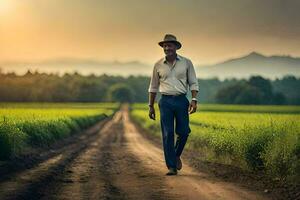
115 162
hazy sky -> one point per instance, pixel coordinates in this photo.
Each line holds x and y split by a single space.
126 30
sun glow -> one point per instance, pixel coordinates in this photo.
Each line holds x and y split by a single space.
5 6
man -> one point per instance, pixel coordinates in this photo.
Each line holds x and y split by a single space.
172 76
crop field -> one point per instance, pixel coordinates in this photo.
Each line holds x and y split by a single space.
251 137
40 124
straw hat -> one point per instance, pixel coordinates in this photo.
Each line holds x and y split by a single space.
170 38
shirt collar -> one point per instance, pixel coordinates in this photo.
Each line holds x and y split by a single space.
177 59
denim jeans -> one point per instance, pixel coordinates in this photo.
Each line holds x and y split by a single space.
174 113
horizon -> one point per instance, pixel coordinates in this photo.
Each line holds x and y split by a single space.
251 64
91 59
61 74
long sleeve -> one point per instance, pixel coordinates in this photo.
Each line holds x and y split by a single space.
191 76
154 83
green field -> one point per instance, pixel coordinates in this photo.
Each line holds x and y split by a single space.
40 124
251 137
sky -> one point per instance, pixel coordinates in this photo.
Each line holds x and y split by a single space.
127 30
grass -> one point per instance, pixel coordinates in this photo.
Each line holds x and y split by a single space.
251 137
40 124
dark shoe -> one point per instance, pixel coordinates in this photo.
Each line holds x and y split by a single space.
178 163
171 172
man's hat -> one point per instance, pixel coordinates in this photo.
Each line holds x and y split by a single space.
170 38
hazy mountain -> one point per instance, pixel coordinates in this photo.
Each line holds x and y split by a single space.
243 67
83 66
252 64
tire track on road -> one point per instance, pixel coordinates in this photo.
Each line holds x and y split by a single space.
33 183
107 170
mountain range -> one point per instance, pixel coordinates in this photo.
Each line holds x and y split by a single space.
252 64
242 67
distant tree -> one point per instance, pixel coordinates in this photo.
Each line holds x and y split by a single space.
227 95
74 87
120 93
91 91
257 90
278 99
209 88
289 86
248 95
264 86
139 85
28 74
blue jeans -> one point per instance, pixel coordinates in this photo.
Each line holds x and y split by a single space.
174 108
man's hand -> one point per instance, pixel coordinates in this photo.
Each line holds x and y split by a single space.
152 112
192 107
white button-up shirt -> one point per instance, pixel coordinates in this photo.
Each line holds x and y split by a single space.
173 79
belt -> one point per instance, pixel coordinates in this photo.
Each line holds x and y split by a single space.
178 95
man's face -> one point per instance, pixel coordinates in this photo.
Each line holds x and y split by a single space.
169 48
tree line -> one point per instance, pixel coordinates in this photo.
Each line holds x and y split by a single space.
74 87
